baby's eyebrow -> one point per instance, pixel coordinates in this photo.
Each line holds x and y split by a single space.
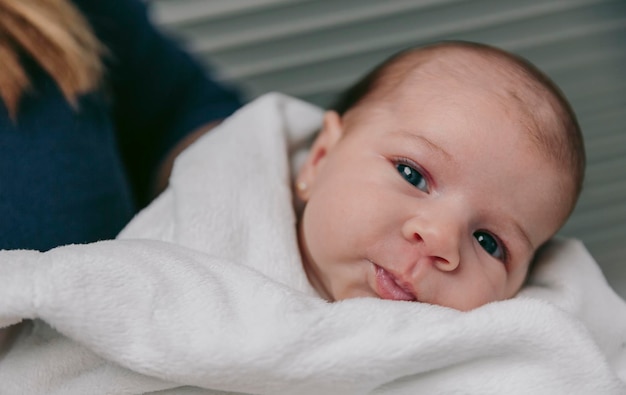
421 140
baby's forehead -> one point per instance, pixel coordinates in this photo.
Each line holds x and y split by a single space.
487 73
469 78
491 77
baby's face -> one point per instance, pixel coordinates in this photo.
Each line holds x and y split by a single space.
432 195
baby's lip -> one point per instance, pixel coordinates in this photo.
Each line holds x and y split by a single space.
389 287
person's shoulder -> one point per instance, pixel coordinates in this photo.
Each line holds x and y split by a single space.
114 6
123 26
115 10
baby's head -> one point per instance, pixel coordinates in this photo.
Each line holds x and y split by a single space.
437 178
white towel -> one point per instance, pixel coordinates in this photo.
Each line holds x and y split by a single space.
204 292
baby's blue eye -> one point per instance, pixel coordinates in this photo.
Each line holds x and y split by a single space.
489 244
412 176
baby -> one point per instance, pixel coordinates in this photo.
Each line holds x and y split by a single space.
437 177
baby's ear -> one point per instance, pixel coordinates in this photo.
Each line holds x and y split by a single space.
329 135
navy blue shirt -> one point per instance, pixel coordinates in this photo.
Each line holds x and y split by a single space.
76 176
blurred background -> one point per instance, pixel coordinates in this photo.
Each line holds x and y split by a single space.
313 49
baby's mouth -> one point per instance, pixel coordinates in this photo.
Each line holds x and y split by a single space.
388 287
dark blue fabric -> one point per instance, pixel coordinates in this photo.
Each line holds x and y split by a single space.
76 176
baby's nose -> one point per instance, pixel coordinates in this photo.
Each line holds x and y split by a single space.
439 240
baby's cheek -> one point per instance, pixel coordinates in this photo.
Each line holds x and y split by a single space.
516 279
478 300
323 227
493 286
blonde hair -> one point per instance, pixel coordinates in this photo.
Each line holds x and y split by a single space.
58 38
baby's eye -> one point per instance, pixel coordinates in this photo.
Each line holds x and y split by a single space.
412 176
490 244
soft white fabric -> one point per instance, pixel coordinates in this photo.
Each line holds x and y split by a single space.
203 292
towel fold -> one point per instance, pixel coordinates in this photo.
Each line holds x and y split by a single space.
204 293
